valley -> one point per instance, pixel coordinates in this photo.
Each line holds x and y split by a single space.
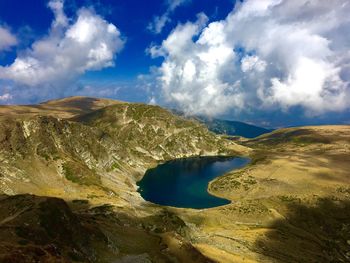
75 163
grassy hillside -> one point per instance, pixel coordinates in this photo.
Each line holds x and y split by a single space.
80 158
100 153
291 204
152 132
62 108
93 150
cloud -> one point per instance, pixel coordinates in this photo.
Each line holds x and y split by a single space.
7 39
159 22
266 54
5 97
60 17
249 63
56 61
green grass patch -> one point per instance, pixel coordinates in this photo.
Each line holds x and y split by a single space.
80 174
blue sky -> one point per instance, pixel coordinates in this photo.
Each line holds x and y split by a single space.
269 62
34 18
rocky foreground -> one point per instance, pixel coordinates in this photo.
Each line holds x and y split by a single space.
68 178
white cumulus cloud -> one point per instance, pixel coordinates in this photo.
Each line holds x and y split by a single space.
249 63
265 54
7 39
71 48
159 22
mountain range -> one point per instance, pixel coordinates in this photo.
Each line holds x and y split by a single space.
227 127
68 189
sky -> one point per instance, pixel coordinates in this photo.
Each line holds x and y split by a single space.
272 63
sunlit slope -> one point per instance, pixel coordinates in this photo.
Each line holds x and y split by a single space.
62 108
291 204
295 161
152 132
95 150
99 154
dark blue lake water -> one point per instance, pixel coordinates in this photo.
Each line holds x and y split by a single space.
184 182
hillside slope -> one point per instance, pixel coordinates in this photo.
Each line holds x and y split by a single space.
47 229
152 132
61 108
99 154
91 152
291 203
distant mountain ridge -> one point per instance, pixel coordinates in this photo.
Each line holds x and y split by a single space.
232 128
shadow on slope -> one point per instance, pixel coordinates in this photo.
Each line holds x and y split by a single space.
48 229
309 233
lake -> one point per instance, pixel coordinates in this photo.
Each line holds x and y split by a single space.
184 182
